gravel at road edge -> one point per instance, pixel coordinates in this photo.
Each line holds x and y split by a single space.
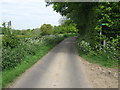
101 77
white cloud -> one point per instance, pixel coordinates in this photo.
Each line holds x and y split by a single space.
20 1
28 13
8 1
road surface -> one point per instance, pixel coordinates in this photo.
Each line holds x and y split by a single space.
60 68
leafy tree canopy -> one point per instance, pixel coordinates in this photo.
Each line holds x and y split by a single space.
46 29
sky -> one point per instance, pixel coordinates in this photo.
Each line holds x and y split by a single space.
27 14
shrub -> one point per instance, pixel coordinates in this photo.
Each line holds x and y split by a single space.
11 41
11 57
108 55
46 29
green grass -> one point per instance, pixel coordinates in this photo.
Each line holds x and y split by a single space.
101 60
9 76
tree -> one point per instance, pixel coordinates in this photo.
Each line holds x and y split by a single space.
88 17
66 27
46 29
83 14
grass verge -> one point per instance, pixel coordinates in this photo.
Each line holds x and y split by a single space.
9 76
100 60
95 57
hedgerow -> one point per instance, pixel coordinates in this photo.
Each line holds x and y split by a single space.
11 57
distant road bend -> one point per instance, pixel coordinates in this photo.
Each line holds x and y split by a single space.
60 68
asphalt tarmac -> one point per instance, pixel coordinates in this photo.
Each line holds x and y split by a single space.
60 68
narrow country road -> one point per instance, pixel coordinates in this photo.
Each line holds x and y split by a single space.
60 68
